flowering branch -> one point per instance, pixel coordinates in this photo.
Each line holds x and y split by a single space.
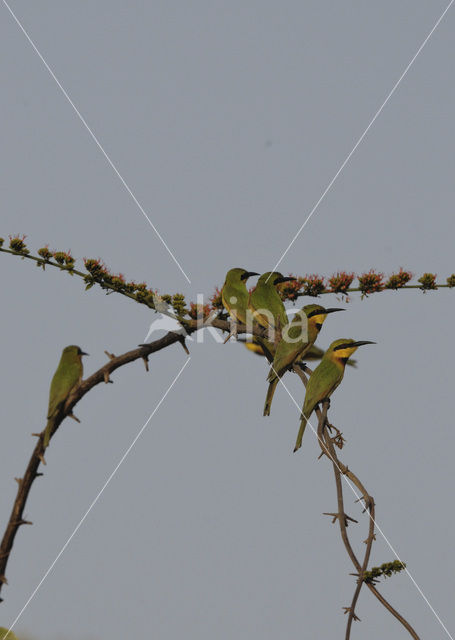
96 273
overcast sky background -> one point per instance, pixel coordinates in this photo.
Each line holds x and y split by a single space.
227 120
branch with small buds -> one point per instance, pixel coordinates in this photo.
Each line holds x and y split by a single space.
313 285
194 317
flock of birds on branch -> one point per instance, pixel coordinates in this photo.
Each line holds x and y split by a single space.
287 344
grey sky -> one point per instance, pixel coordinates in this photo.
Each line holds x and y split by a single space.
227 120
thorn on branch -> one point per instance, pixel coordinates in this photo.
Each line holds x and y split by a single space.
181 339
71 415
354 616
20 522
111 356
369 502
41 458
107 380
336 516
3 579
18 480
146 362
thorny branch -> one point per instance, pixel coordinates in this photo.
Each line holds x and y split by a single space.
326 442
312 286
25 483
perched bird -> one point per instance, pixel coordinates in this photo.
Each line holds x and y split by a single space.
326 378
268 310
68 375
297 340
234 295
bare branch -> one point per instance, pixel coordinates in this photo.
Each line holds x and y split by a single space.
328 449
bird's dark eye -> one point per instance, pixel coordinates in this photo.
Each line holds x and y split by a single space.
318 326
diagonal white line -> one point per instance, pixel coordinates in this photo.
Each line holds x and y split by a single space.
378 112
94 138
76 529
351 486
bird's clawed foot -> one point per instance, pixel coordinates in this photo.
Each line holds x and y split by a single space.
337 439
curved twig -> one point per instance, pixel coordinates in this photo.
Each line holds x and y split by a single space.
328 448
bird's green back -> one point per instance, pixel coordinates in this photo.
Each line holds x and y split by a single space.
298 337
234 294
67 375
265 297
322 383
293 344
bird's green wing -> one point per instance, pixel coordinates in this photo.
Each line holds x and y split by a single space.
235 300
321 384
68 374
265 297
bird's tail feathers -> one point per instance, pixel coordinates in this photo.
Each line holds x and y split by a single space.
303 422
269 397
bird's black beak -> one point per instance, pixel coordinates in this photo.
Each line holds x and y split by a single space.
333 310
283 279
247 274
83 353
359 343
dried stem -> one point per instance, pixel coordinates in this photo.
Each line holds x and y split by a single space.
327 447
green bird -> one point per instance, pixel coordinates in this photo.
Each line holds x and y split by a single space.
296 342
268 310
265 302
68 375
234 295
326 378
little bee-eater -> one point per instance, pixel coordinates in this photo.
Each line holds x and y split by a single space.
68 375
265 302
326 378
234 295
296 342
